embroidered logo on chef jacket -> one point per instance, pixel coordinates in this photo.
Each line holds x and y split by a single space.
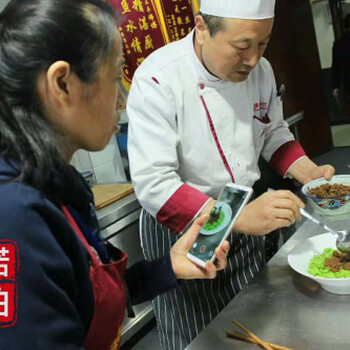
260 112
262 122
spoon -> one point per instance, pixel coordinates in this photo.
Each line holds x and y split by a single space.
343 237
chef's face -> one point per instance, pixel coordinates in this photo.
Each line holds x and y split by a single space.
233 52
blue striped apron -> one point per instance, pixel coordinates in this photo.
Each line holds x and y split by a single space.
184 312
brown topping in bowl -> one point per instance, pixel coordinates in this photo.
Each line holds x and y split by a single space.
214 215
339 260
328 191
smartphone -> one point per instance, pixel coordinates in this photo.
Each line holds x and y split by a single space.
218 226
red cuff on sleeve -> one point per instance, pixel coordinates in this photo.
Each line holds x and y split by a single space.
180 209
285 156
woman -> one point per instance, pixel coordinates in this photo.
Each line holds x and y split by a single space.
60 65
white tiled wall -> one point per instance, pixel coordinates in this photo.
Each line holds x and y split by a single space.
107 155
107 165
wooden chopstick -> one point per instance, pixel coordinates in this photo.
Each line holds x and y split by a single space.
252 335
251 340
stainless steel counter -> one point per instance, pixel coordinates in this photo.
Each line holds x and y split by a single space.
117 210
284 308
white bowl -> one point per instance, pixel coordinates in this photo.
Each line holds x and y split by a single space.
299 260
332 208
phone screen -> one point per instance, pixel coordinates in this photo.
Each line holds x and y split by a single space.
219 222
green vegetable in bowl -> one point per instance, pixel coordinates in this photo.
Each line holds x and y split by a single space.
317 266
215 219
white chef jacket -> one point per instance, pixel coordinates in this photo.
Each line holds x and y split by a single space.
191 133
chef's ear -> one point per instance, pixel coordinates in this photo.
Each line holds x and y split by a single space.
201 29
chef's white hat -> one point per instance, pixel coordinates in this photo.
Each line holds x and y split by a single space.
242 9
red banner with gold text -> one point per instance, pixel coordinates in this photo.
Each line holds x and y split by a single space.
147 25
140 31
179 18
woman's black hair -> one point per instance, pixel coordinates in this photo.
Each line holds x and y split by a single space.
33 35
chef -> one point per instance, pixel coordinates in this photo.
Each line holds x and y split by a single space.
202 110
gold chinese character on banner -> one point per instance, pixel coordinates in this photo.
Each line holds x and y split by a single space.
148 42
130 27
136 45
187 20
125 7
143 23
138 6
179 21
154 24
140 60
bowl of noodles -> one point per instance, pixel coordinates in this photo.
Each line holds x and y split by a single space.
318 259
329 198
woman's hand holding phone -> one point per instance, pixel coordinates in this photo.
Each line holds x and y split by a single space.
268 212
185 268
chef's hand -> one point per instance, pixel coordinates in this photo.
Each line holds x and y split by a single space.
186 269
305 170
326 171
268 212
